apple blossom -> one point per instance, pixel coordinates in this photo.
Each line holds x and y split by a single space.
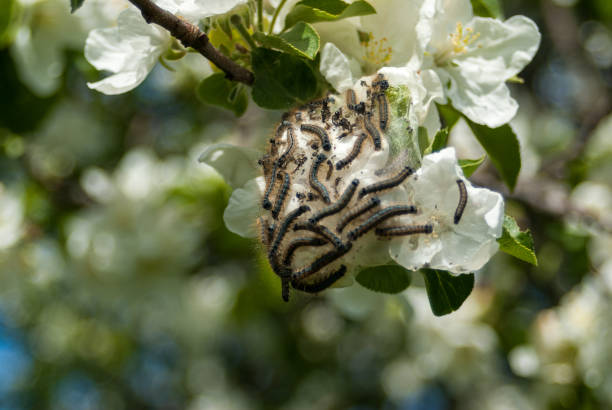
132 48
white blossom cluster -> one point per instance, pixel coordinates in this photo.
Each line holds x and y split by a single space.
440 50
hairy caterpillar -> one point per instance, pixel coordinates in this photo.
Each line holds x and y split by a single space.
463 197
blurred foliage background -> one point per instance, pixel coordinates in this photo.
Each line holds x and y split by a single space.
120 287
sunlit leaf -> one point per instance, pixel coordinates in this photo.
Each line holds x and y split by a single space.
469 166
516 242
302 40
439 141
487 8
312 11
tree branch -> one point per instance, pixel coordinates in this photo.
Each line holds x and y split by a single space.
191 36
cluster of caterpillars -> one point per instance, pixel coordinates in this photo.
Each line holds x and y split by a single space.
322 223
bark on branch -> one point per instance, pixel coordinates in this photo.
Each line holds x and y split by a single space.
191 36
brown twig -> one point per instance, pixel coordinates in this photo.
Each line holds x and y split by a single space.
192 36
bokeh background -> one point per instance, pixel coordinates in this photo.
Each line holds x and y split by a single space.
120 287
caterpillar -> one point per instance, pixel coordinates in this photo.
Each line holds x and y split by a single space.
271 229
389 183
322 285
281 160
353 154
282 195
357 212
371 129
281 127
404 230
285 276
330 169
339 205
321 262
298 243
266 204
320 132
378 217
351 99
321 230
383 111
314 182
282 230
264 228
463 197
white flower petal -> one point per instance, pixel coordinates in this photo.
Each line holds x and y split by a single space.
336 67
105 50
119 83
243 209
394 24
475 80
457 248
502 49
130 51
491 107
439 18
236 164
343 34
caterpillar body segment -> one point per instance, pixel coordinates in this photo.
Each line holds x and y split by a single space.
379 217
282 195
351 99
282 230
404 230
354 152
298 243
266 204
339 205
321 230
285 277
290 139
388 183
357 212
314 181
319 286
383 110
373 132
321 262
318 131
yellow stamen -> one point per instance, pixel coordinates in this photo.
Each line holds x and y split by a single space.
377 52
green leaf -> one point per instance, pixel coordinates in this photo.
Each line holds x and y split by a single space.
218 90
281 79
503 148
423 140
439 141
446 292
302 40
75 5
516 242
7 20
470 165
487 8
449 115
385 279
312 11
